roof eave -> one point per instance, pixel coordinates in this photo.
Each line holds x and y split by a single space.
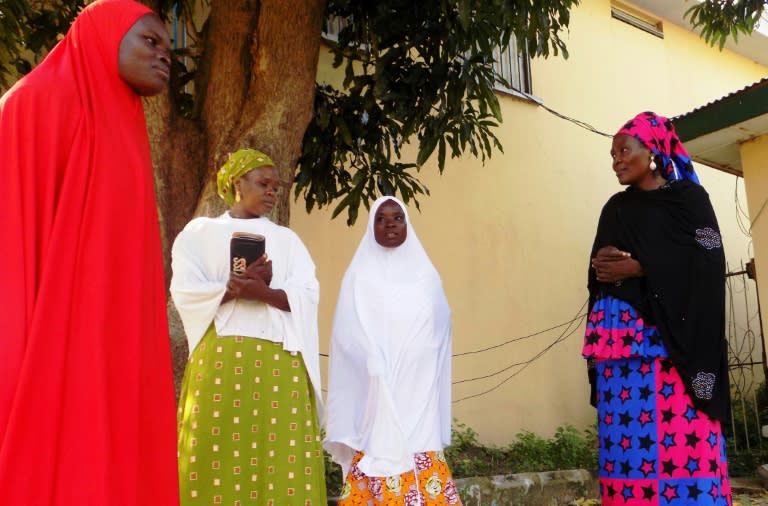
729 111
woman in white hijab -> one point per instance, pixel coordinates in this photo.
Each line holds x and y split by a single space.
389 394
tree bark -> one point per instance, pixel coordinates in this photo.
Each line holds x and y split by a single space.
254 88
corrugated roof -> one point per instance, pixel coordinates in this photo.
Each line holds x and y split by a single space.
739 106
714 132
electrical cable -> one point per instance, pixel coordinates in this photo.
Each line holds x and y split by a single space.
741 215
576 122
762 208
513 340
564 335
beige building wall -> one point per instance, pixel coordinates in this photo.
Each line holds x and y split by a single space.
753 160
511 238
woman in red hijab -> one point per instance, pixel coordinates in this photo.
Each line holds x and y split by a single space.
86 397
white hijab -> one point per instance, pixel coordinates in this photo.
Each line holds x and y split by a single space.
389 392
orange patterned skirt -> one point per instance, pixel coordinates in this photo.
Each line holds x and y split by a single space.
436 486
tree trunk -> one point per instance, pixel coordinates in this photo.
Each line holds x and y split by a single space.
255 88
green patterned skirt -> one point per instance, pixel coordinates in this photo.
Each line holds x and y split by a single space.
248 432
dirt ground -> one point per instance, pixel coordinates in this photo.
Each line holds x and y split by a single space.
749 492
751 499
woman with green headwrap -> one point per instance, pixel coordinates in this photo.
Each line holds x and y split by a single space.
248 411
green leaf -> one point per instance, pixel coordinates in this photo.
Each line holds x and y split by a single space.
351 197
424 76
428 145
441 155
464 13
343 129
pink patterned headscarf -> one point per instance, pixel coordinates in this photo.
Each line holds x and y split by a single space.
657 133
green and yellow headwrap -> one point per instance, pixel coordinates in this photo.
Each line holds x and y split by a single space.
240 163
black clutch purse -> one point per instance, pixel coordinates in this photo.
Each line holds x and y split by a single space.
244 248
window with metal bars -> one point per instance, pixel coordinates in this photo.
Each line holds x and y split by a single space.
513 69
511 66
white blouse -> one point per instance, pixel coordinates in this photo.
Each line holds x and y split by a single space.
200 263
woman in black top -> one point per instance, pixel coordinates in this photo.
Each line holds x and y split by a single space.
655 338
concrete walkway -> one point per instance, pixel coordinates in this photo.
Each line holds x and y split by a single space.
527 489
573 488
566 488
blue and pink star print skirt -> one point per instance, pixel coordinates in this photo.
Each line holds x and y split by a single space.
655 447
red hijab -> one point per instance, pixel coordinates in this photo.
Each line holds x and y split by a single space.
86 394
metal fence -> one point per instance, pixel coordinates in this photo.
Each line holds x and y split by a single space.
746 360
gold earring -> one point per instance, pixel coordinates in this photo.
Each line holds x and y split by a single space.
237 195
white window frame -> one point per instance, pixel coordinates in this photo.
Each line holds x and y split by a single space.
637 18
332 26
514 66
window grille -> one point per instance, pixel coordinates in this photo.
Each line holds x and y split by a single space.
513 67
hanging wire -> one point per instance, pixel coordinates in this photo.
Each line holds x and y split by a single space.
576 122
567 332
516 339
512 340
742 216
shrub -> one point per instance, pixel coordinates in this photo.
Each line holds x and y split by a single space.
333 478
567 449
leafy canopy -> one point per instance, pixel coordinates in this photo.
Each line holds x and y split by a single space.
27 30
414 71
720 19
